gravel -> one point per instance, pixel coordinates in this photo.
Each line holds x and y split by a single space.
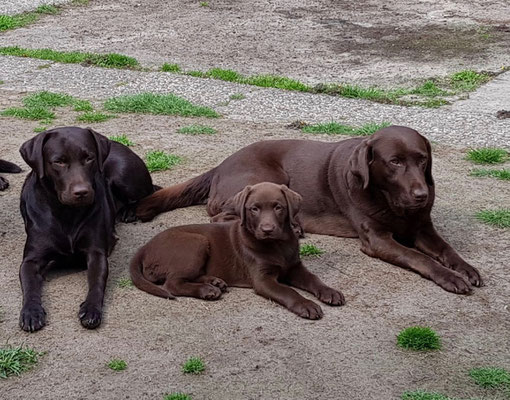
454 125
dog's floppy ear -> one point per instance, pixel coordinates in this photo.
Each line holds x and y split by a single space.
239 202
32 153
293 206
103 148
428 170
360 161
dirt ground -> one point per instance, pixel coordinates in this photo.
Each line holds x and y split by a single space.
371 42
254 349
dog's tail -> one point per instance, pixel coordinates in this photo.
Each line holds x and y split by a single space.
193 191
141 282
6 166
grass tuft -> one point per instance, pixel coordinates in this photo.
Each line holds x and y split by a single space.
15 360
197 130
112 60
47 99
122 139
490 377
47 9
429 89
159 104
82 105
170 68
224 75
237 96
177 396
194 365
274 81
502 174
160 161
420 395
335 128
39 129
418 338
310 250
94 116
487 155
468 80
34 114
499 218
117 365
196 74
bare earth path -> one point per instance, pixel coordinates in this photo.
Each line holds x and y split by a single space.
254 349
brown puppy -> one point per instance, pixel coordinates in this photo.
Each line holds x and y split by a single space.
261 250
379 189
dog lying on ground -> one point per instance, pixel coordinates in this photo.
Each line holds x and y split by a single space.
379 189
6 166
80 181
261 250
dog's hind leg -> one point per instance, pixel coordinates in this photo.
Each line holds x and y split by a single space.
205 291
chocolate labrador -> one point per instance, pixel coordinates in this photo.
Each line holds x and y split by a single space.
6 166
79 183
261 250
379 189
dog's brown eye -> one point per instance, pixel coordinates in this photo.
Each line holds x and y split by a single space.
278 207
59 163
254 209
396 162
89 159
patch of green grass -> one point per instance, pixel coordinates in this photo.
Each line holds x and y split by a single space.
47 99
419 338
194 365
35 113
94 116
224 75
489 377
310 250
196 74
499 218
8 22
117 365
502 174
15 360
468 80
335 128
82 105
204 4
122 139
420 395
170 68
111 60
39 129
125 283
177 396
274 81
487 155
160 161
430 89
237 96
47 9
159 104
197 130
80 2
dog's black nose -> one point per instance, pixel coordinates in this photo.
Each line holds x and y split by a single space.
420 194
267 228
80 192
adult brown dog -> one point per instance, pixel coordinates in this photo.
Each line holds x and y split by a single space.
261 250
80 183
379 189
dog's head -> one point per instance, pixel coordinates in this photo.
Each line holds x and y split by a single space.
69 159
268 210
398 162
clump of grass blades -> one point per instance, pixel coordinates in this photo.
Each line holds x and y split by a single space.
34 113
160 161
117 365
48 99
419 338
15 360
170 68
430 89
164 104
20 20
335 128
122 139
502 174
125 283
420 395
197 130
498 218
468 80
111 60
274 81
177 396
194 365
490 377
310 250
224 75
82 105
487 155
237 96
94 116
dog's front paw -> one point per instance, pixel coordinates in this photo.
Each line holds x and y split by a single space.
454 282
4 183
471 273
331 296
32 317
90 315
209 292
307 309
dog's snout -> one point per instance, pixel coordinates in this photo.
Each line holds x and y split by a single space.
81 191
420 194
267 228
